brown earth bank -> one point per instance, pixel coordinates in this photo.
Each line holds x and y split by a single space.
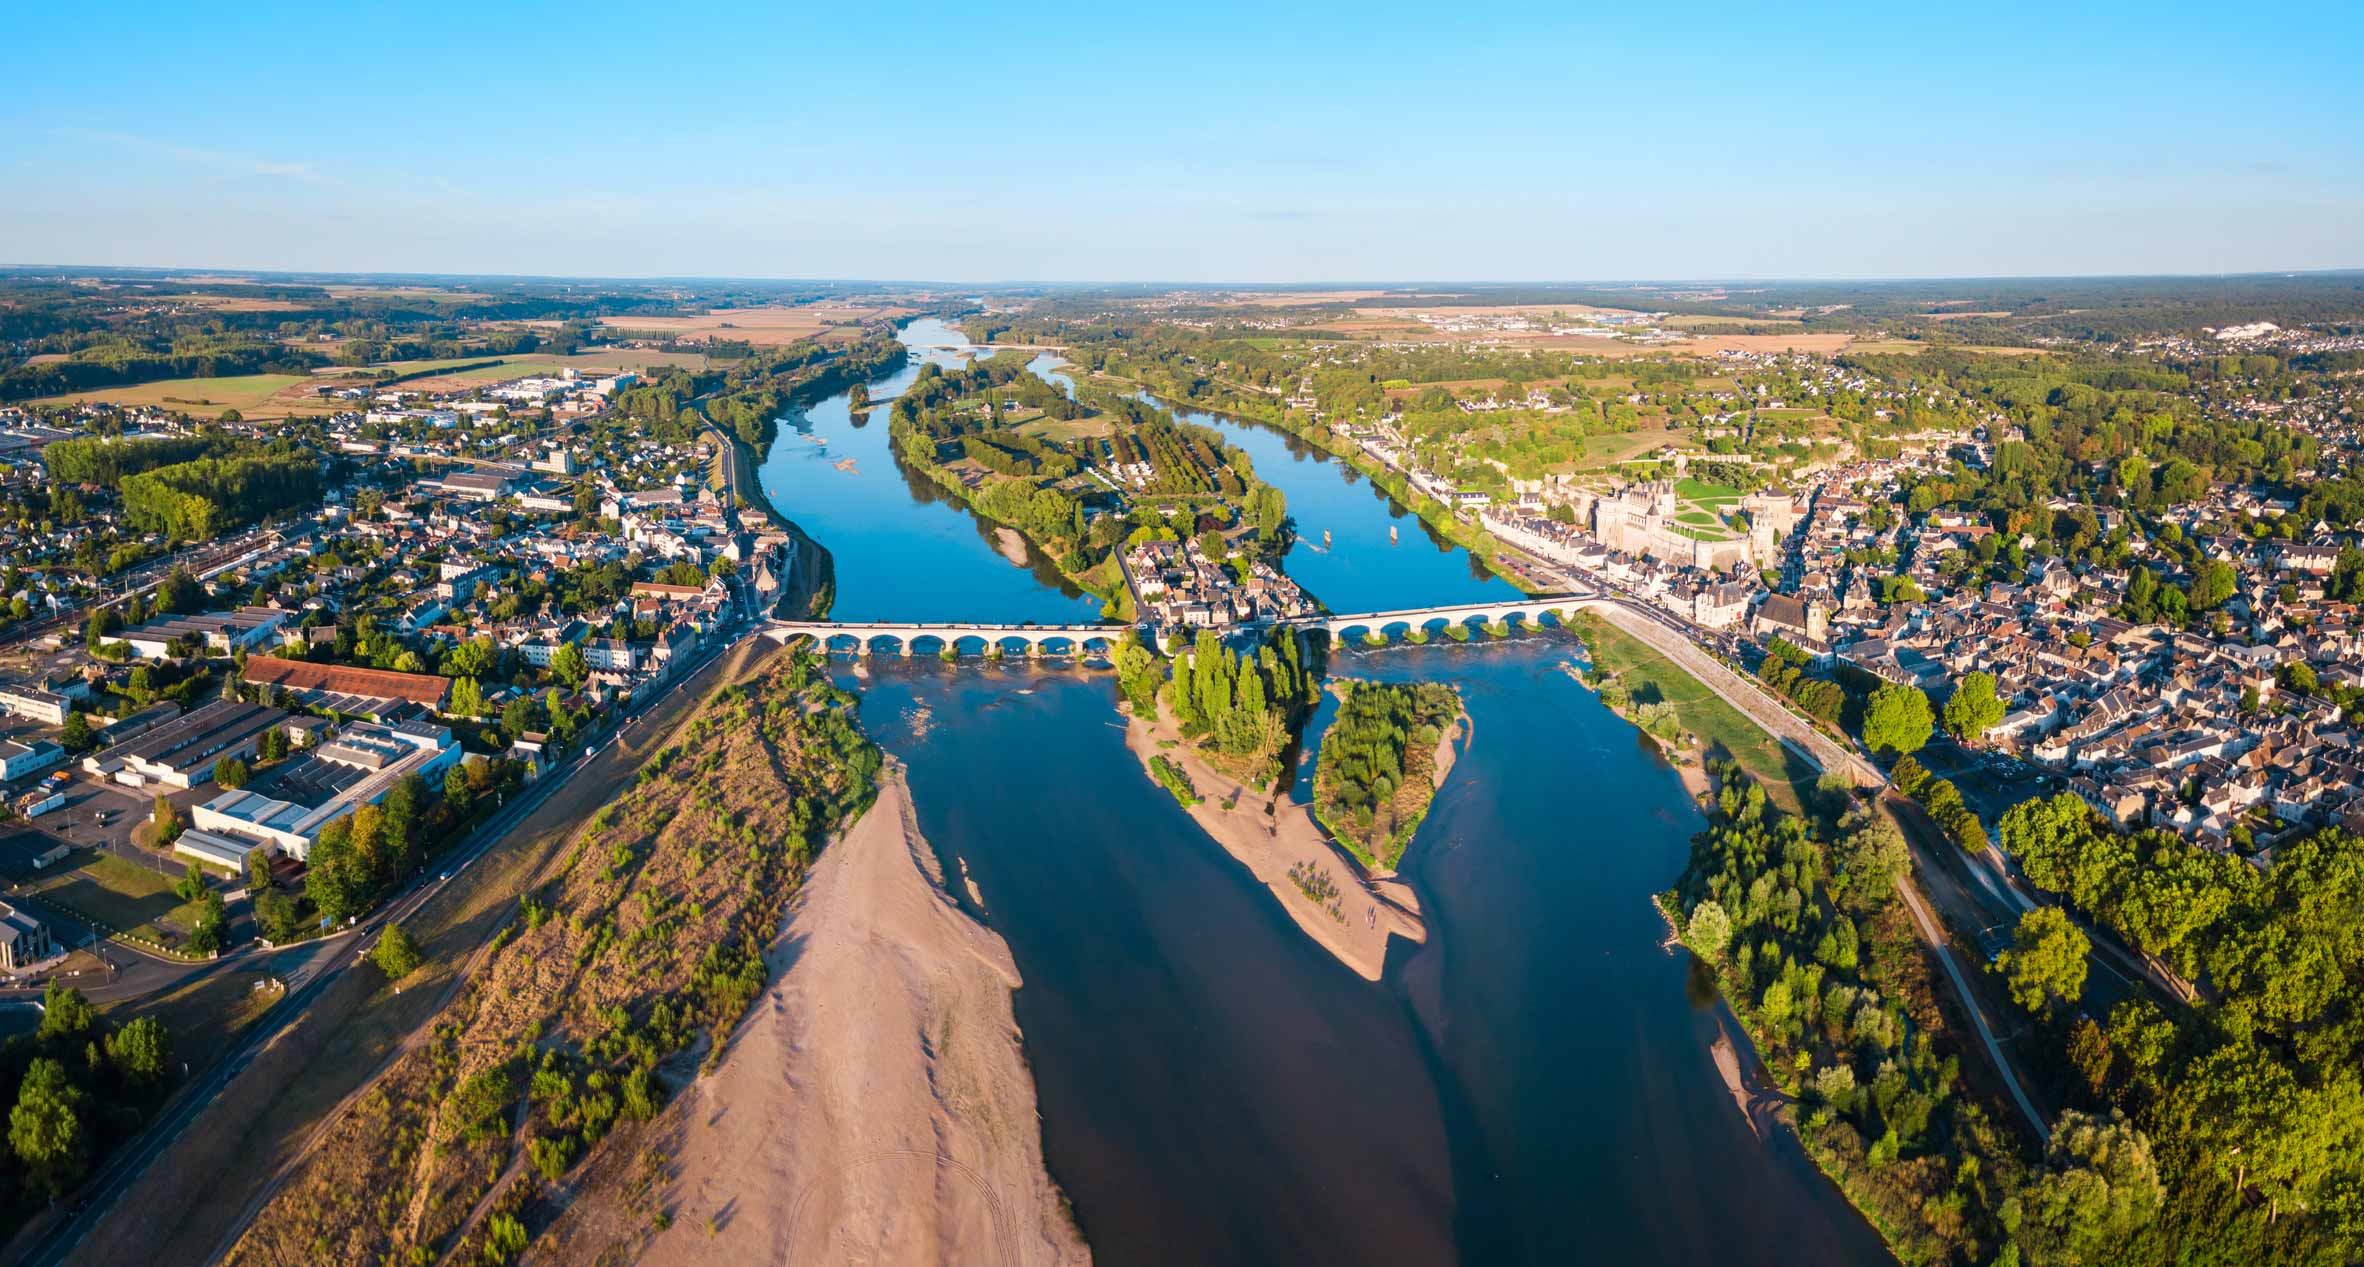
204 1186
876 1108
601 996
1346 912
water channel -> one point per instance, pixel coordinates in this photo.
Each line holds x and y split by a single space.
1534 1085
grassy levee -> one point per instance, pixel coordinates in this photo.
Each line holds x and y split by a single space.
1649 677
208 1182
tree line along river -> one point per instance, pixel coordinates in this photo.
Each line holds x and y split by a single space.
1533 1085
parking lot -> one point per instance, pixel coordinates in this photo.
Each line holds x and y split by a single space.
1990 783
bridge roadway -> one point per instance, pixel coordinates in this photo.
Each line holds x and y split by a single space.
1039 640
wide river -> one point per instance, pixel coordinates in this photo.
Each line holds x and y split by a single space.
1534 1085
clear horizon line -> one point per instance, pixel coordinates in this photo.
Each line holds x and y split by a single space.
1321 284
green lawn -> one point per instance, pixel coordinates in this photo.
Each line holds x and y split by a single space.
1651 677
1064 429
403 367
1705 494
1608 450
124 896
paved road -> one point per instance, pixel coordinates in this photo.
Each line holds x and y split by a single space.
307 984
1934 934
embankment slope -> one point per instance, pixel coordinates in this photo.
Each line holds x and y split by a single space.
875 1107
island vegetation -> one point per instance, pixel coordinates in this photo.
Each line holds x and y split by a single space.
1377 770
1240 711
1082 477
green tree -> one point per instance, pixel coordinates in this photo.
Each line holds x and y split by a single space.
165 819
206 937
505 1240
45 1128
230 772
1870 858
273 746
517 717
191 885
467 698
1138 676
568 665
77 735
2212 584
277 915
1909 776
65 1015
2099 1186
1708 930
330 878
1974 707
396 954
458 789
258 868
2046 961
1897 720
141 1051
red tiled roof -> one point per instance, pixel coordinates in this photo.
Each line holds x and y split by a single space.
344 679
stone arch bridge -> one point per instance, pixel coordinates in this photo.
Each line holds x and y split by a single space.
905 638
1524 611
908 638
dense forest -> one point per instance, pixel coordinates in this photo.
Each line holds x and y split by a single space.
200 499
1808 940
2226 1132
2253 1097
106 462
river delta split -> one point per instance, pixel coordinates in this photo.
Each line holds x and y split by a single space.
1534 1083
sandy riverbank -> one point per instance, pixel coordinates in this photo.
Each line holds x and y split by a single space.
1011 545
876 1106
1270 835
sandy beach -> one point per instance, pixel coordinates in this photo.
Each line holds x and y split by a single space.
1270 845
1011 544
876 1107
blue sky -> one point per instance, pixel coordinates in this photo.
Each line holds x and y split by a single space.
1211 142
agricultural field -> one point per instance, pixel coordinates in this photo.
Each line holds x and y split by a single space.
252 395
236 303
771 325
1712 323
264 396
